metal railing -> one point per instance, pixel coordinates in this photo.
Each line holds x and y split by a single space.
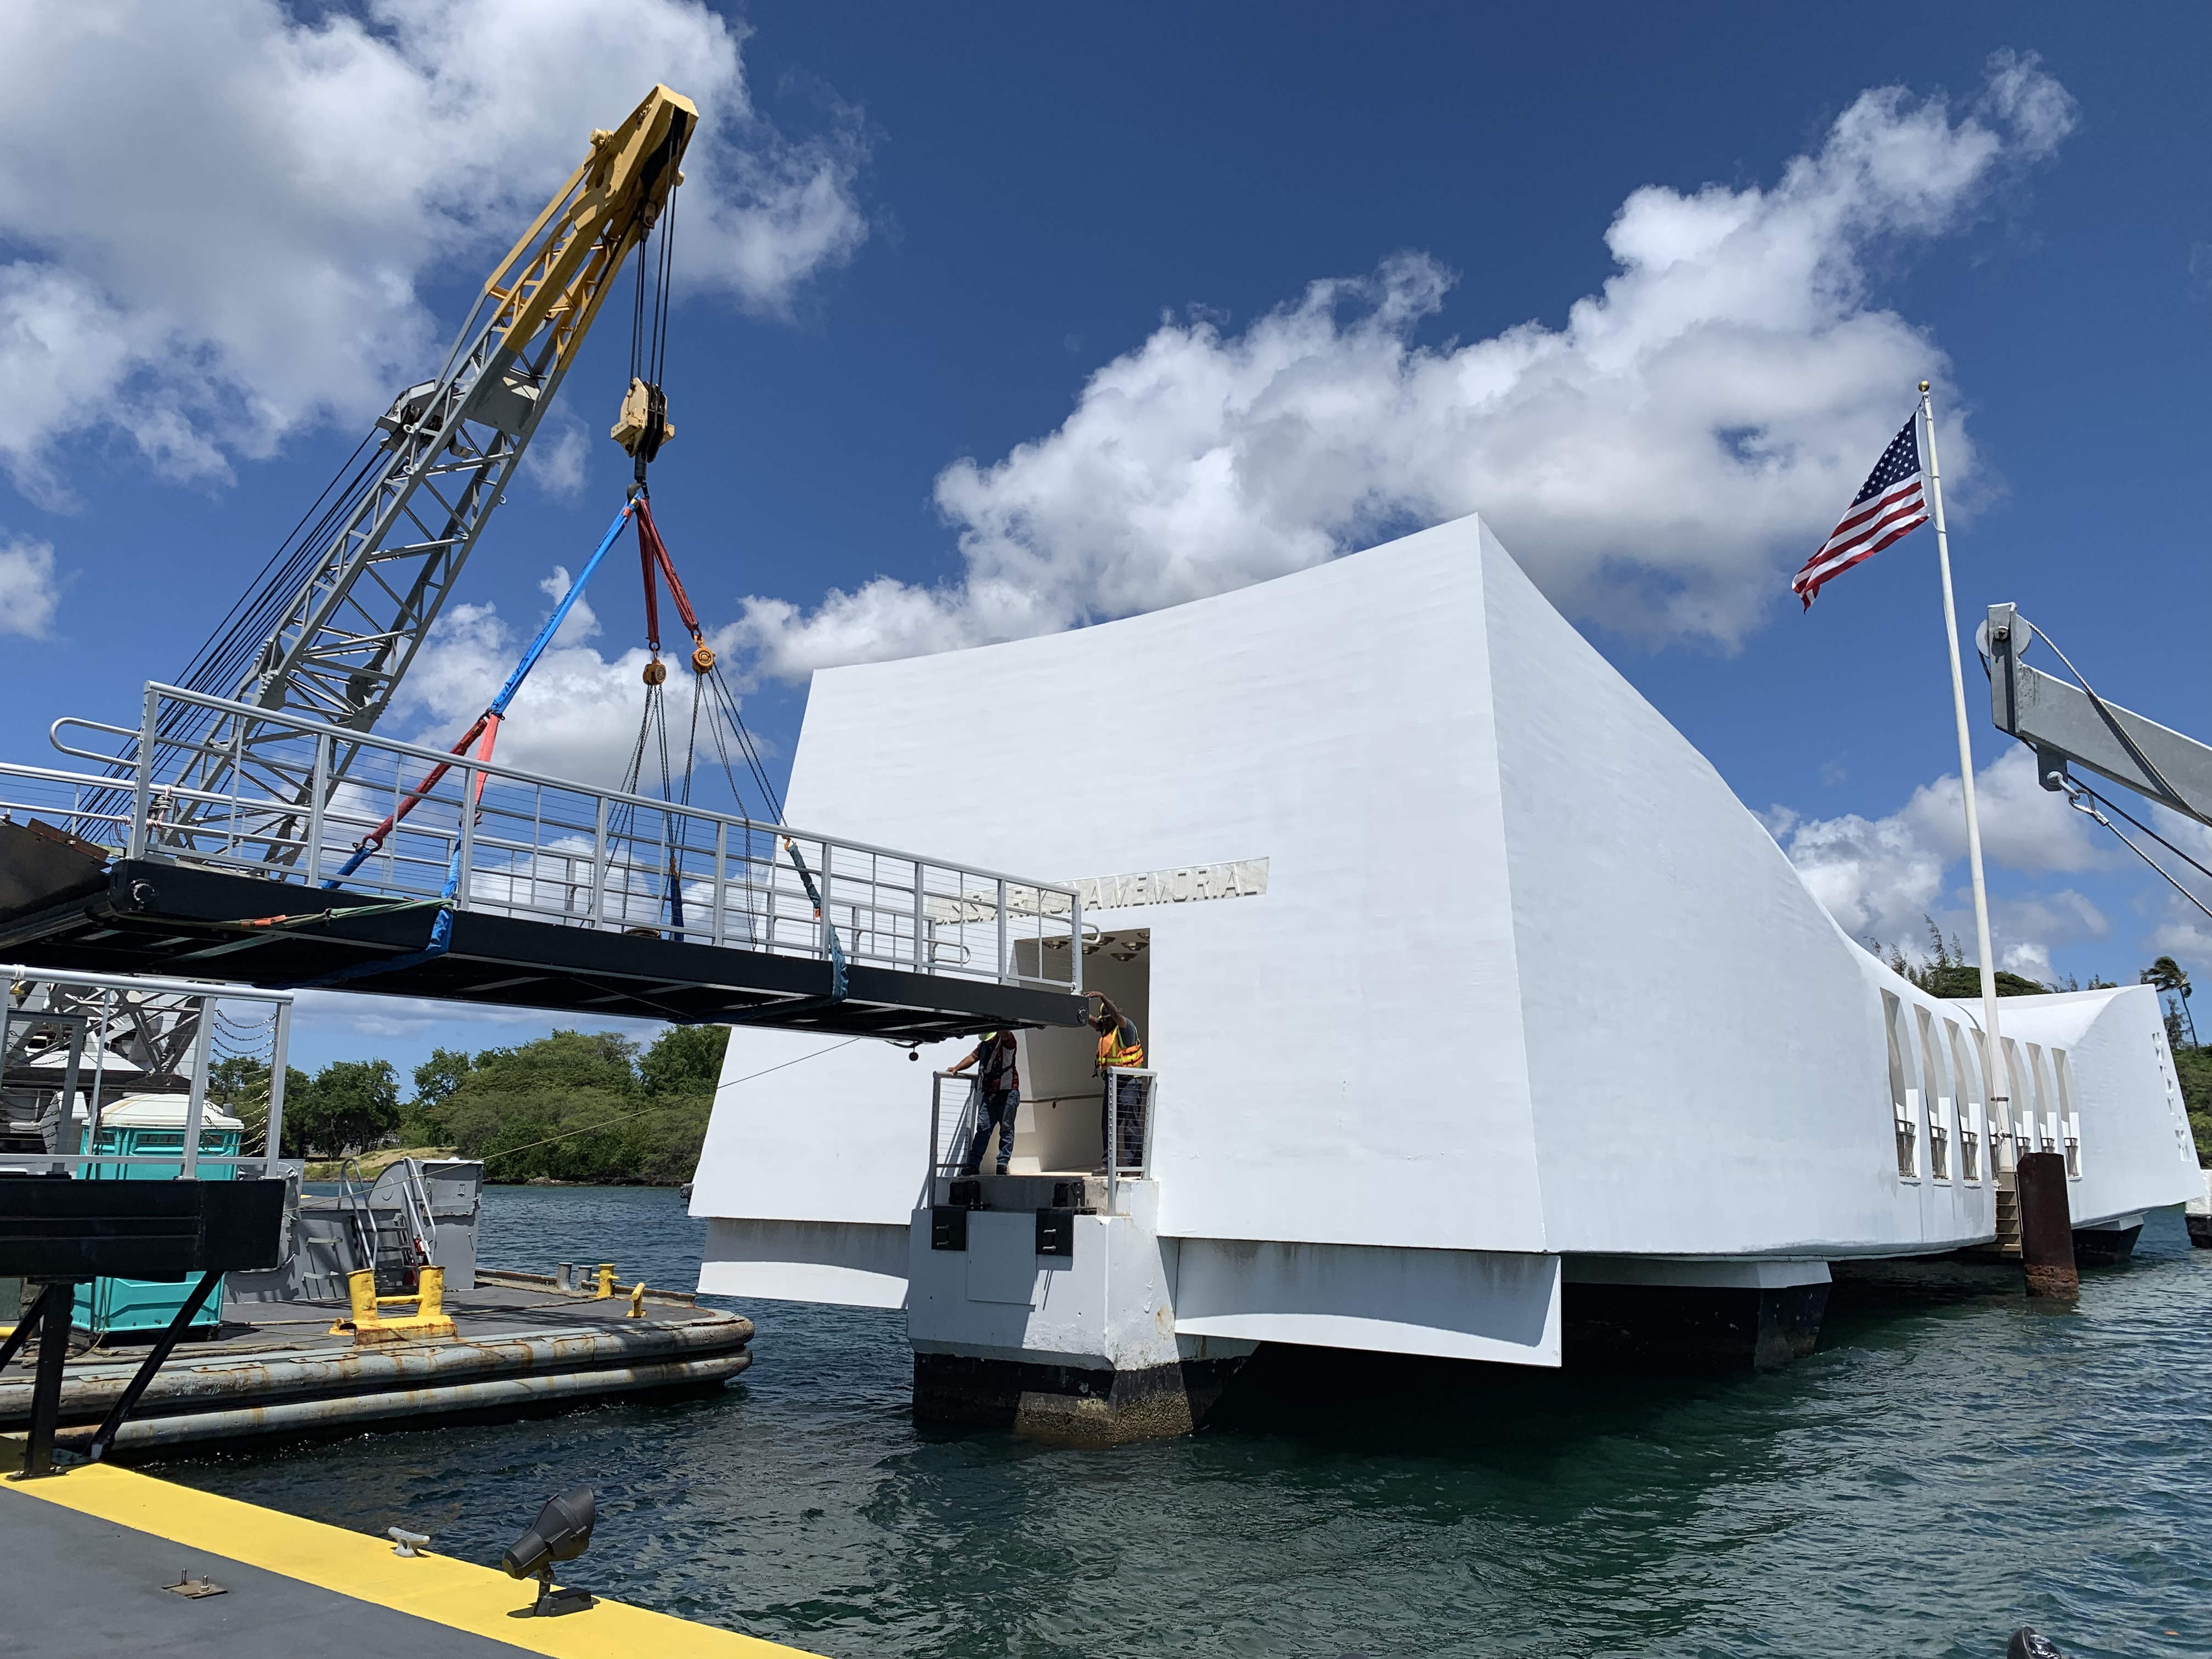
951 1127
1131 1098
494 839
106 1004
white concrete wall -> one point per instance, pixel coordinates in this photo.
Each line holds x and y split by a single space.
2136 1151
1107 1306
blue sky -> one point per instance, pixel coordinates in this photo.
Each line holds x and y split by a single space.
1077 252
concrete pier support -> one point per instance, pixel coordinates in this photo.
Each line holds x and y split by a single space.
1682 1314
2046 1235
1076 1405
1043 1315
2108 1243
2197 1214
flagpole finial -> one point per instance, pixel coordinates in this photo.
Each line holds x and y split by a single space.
1923 385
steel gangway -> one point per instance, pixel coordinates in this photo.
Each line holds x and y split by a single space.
498 885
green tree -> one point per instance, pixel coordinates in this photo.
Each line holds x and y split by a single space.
426 1121
1947 973
2172 985
564 1107
2194 1067
351 1105
685 1060
583 1106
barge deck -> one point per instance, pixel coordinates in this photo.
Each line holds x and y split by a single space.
519 1345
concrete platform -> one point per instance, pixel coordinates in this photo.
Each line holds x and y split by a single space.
89 1553
276 1368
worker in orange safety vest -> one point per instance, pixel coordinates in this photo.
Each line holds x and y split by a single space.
1121 1048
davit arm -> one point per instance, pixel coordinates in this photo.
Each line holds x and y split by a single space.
2070 725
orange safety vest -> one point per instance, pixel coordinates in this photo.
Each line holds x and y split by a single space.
1112 1052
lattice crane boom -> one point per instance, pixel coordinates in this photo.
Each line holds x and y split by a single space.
347 635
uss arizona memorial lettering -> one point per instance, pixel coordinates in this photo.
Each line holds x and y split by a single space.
1238 879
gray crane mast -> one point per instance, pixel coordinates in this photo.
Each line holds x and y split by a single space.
348 636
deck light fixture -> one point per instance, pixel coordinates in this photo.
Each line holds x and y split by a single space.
561 1532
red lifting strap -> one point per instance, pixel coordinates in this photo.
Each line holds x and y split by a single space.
652 551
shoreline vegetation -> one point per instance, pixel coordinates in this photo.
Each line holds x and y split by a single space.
572 1107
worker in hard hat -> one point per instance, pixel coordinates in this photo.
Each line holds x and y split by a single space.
1121 1048
998 1097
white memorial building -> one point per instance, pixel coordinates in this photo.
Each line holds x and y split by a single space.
1486 1022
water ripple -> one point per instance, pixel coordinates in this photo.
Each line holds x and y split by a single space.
1945 1468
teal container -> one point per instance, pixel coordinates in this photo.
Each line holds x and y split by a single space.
149 1125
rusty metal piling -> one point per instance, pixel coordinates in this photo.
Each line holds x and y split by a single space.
2046 1232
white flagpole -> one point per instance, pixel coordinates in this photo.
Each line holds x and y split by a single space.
1993 1063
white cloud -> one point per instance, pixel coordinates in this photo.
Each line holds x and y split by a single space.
559 458
2024 825
222 214
1882 878
1657 463
28 594
576 717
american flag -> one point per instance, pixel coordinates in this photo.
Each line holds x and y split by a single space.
1889 505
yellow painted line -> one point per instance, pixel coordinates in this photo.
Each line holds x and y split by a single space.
456 1594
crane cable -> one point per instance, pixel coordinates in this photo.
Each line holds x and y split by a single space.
643 429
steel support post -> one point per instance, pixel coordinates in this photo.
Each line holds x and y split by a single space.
143 791
1113 1145
936 1127
317 790
465 854
599 866
722 876
65 1126
196 1102
57 1304
921 920
282 1041
1002 929
99 1067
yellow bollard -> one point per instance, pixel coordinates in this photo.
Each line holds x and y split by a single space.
636 1301
361 1292
426 1315
606 1281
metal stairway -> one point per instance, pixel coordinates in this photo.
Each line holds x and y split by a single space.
2007 1242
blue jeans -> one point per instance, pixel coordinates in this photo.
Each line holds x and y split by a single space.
994 1112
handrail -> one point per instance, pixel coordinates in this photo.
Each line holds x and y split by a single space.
499 769
357 1206
512 841
188 988
1147 1104
947 1159
54 736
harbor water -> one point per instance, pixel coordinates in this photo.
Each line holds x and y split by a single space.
1949 1465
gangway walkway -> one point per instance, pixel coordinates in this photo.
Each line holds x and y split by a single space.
501 886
